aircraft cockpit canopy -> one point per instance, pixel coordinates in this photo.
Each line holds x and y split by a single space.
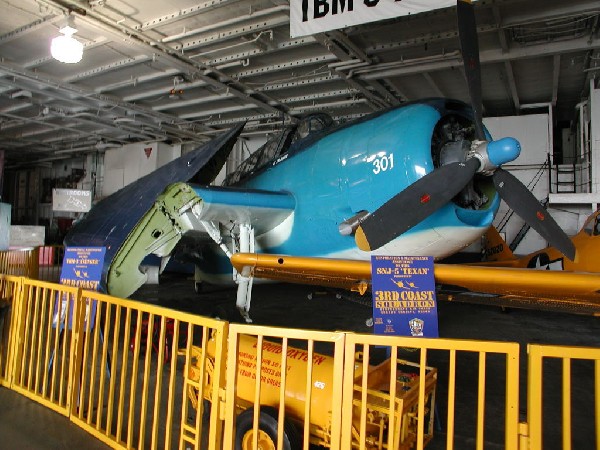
592 225
312 123
278 145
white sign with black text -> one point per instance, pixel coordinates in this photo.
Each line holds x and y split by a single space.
71 200
317 16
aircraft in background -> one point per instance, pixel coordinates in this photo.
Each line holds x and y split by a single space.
423 178
497 253
543 280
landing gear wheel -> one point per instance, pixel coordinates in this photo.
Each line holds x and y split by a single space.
267 431
198 287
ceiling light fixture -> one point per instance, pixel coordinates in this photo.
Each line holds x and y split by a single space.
66 48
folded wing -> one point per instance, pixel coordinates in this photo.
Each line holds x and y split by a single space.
204 213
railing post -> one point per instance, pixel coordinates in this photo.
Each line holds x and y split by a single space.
534 396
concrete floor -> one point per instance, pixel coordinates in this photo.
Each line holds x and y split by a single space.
26 425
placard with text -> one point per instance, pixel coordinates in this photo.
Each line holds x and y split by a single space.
82 267
404 301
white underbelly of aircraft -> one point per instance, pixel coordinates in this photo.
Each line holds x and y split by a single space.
437 242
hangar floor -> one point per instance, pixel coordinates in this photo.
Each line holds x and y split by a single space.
25 424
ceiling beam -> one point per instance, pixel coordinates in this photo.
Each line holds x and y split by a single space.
445 61
94 101
102 70
182 14
30 27
172 56
247 28
163 90
531 12
134 81
433 84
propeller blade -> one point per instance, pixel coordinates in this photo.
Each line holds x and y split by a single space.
414 204
523 202
467 32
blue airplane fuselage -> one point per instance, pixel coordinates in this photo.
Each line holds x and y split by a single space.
356 167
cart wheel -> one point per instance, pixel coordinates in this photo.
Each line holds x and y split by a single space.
267 431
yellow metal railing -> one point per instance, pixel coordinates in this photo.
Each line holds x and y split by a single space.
43 366
139 376
117 368
538 398
38 263
21 262
474 355
10 293
133 387
298 387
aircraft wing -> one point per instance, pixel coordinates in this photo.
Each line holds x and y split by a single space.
200 213
114 218
525 288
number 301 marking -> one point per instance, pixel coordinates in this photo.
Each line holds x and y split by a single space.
384 163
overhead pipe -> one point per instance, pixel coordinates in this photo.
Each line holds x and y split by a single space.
234 21
160 119
373 70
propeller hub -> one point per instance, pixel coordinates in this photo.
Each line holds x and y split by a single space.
493 154
503 150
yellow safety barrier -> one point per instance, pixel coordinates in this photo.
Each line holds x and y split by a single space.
20 262
338 400
277 392
450 352
539 397
43 364
139 376
116 367
10 292
133 386
38 263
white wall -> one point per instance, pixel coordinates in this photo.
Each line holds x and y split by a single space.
127 164
130 163
532 131
167 153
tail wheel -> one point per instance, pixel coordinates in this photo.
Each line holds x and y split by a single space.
267 431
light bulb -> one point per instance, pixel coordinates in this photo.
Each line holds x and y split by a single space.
66 48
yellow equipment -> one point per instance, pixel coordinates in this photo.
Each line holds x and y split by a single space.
404 407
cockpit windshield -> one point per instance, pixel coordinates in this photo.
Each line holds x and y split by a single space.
280 144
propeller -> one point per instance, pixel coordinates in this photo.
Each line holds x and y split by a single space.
437 188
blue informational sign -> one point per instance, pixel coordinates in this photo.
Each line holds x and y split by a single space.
82 267
404 301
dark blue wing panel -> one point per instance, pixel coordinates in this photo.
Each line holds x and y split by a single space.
112 219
